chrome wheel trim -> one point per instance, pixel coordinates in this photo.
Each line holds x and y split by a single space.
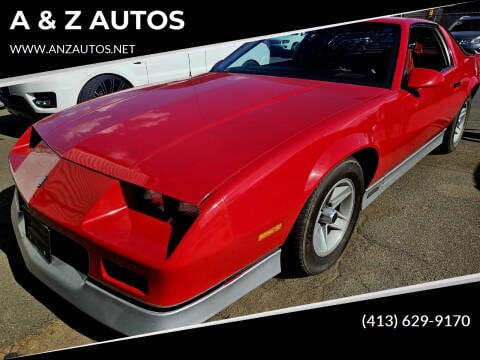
334 217
460 125
110 85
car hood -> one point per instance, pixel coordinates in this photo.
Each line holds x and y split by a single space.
185 138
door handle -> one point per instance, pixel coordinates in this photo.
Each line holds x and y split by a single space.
457 84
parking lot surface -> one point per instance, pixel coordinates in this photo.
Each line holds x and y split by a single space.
426 227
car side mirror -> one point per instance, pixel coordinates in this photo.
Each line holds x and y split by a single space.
425 78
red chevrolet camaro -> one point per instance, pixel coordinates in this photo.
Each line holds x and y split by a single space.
157 207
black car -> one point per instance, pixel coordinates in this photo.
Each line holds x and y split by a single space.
466 30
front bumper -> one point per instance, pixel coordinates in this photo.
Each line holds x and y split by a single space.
18 105
120 314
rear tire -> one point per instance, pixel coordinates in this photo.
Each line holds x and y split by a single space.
102 85
454 132
326 222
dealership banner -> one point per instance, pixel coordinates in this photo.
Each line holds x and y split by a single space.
427 319
38 37
43 39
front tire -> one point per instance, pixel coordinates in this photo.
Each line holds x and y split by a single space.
102 85
326 222
295 47
455 130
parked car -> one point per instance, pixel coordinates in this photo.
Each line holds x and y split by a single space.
286 42
466 30
165 204
57 92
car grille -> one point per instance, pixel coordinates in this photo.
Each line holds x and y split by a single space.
70 252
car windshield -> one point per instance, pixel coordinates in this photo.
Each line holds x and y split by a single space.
362 53
466 25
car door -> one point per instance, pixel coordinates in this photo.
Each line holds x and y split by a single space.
184 64
168 67
197 62
428 110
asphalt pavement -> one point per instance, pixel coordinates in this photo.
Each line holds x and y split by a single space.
425 227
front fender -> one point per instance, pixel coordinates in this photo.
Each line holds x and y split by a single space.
338 151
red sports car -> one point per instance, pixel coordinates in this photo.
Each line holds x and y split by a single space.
157 207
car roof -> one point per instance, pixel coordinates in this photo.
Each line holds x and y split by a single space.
405 21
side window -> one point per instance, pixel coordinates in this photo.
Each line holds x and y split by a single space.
428 49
